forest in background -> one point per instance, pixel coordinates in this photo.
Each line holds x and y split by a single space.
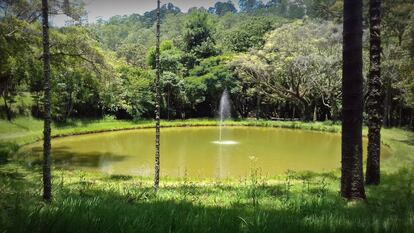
282 59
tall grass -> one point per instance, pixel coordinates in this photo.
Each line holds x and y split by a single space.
303 202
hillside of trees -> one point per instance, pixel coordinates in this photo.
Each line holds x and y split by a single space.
280 59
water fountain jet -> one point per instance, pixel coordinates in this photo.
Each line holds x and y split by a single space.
224 111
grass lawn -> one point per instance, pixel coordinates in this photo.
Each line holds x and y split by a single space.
292 202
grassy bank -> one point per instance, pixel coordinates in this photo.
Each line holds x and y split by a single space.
28 130
293 202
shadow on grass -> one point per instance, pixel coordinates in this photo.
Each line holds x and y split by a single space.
409 142
19 125
71 123
119 177
63 157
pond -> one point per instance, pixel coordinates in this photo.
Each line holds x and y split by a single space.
196 152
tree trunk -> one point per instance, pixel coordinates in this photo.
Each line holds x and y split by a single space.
47 177
333 109
412 119
315 113
7 108
352 179
387 103
400 118
157 107
69 107
168 102
258 107
307 111
375 100
37 98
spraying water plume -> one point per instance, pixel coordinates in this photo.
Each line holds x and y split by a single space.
225 113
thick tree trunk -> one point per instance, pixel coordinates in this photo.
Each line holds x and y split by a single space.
157 108
374 104
47 177
352 179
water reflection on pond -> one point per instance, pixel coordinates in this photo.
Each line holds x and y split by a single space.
196 152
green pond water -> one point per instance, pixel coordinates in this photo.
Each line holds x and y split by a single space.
194 152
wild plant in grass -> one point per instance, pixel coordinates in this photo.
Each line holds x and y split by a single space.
288 183
322 188
256 182
306 182
84 185
188 188
61 185
133 192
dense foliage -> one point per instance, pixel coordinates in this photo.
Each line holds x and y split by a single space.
279 59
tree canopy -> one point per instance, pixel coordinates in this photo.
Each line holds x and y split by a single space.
276 58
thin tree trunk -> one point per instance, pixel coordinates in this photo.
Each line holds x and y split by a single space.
47 177
307 111
37 98
400 118
157 107
315 113
412 119
387 102
6 106
258 107
352 179
333 110
69 107
168 102
374 104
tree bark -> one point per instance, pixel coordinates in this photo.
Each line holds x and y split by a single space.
387 103
168 102
157 107
47 177
69 107
258 106
375 100
400 115
7 108
307 111
333 110
352 180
